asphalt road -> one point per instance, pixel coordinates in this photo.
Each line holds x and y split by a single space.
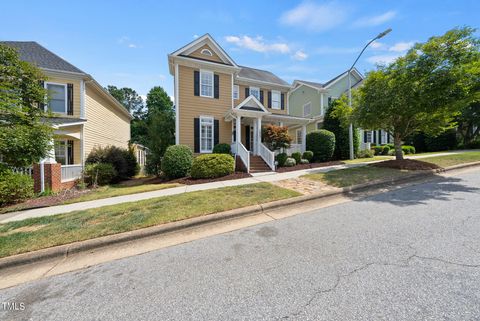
410 254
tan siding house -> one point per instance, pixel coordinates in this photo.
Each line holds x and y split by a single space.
217 101
86 115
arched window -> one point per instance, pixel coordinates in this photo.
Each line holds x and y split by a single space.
206 52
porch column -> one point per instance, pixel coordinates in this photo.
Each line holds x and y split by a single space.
50 157
304 138
238 131
259 133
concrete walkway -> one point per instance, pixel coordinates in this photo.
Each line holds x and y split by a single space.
257 178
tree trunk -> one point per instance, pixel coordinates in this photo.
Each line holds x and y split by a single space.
398 147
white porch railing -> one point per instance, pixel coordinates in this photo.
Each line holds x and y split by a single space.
71 172
244 154
267 155
292 149
23 170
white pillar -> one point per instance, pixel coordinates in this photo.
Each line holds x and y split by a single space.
259 133
304 137
50 157
238 131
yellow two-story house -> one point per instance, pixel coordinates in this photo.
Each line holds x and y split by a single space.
86 115
218 101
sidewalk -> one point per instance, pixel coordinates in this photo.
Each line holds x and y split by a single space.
257 178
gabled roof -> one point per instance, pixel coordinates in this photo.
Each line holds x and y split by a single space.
343 74
251 103
261 75
38 55
200 41
315 85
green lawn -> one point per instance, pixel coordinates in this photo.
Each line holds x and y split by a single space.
118 190
355 175
454 159
37 233
364 160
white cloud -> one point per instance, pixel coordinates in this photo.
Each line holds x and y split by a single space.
144 97
377 45
315 17
195 36
125 41
375 20
401 46
300 55
258 44
382 59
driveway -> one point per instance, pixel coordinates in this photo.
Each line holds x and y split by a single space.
409 254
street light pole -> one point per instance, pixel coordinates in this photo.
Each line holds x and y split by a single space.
350 128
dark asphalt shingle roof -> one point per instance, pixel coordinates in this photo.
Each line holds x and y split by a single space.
34 53
261 75
64 120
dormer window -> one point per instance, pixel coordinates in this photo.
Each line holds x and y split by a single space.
206 52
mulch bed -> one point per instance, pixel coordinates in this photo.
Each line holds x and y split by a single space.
307 166
408 164
192 181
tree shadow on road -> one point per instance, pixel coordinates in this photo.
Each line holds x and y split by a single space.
440 188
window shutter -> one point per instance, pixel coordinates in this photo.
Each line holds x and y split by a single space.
269 99
41 104
216 132
261 96
374 134
388 138
70 99
70 160
247 92
196 83
283 101
380 137
216 90
365 137
247 137
196 135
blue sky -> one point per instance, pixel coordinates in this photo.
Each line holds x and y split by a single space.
125 43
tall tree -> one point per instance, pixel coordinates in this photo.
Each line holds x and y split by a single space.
422 91
25 133
160 127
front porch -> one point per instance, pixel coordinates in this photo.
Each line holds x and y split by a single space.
248 120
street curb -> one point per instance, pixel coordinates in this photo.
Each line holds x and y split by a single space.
62 251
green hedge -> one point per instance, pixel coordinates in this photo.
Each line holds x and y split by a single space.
308 155
385 150
14 187
297 156
123 160
322 144
212 166
99 174
408 149
365 153
177 161
281 158
289 162
222 149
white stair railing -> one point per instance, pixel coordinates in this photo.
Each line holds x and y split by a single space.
267 155
244 155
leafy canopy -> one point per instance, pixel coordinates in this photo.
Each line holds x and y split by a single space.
276 137
25 133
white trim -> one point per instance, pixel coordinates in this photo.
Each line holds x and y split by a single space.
66 96
233 91
70 124
301 83
250 91
279 107
231 76
82 98
322 108
255 100
206 72
82 147
200 133
206 52
195 63
359 75
177 107
298 134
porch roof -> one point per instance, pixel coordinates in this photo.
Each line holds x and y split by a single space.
287 119
65 121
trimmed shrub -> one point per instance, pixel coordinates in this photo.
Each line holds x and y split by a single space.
408 149
425 143
222 149
308 155
297 156
281 158
177 161
365 153
385 150
392 152
473 144
212 166
14 187
304 161
322 144
99 174
378 150
289 162
123 160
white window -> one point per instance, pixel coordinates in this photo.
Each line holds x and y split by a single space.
276 96
206 134
236 90
369 137
299 136
57 97
206 52
319 125
206 83
255 91
307 109
61 152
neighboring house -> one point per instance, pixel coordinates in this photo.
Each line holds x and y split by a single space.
218 101
86 115
312 99
141 152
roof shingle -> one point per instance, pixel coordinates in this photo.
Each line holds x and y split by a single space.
261 75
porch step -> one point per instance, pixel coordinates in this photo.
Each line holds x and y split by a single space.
257 165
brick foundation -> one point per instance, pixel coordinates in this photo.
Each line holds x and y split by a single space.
52 177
